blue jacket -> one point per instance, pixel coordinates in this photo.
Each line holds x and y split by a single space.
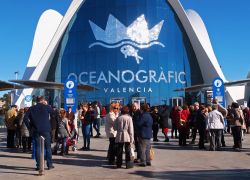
144 125
39 118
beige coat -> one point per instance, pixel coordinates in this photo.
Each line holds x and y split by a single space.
125 129
10 118
109 126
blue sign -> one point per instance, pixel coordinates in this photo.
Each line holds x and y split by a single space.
28 98
70 94
219 91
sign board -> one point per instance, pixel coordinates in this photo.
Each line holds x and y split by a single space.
219 91
28 101
70 94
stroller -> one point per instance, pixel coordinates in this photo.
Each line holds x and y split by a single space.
72 140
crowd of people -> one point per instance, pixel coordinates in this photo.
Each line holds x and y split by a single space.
130 127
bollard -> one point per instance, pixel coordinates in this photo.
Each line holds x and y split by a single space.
41 165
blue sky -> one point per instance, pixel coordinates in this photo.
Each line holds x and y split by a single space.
227 23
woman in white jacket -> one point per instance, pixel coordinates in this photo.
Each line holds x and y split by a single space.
124 137
215 126
110 132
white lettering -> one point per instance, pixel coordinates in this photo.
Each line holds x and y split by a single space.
106 90
145 78
92 77
162 77
152 75
128 80
117 77
170 75
74 76
176 77
80 78
179 77
131 90
102 78
128 76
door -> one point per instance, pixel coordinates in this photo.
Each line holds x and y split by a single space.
139 100
119 100
177 101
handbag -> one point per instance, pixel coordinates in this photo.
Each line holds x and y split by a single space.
132 152
151 153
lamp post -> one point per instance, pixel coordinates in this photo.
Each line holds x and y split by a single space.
16 73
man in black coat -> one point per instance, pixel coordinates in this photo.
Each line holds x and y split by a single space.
40 125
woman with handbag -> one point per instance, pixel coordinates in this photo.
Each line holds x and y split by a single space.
144 125
125 137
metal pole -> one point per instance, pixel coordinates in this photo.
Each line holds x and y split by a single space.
41 165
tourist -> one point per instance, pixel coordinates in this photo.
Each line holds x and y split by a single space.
144 125
111 132
125 137
215 125
37 117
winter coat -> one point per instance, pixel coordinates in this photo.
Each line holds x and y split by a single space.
215 120
144 125
109 125
24 130
125 130
164 116
236 117
10 117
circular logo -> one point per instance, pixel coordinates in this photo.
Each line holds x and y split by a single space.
70 84
28 98
218 83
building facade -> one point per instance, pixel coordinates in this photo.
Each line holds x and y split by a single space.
131 50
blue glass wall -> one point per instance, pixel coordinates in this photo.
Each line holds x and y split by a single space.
126 48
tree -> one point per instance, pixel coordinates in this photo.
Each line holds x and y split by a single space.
7 99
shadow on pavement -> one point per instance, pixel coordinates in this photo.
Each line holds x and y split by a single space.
193 147
14 169
13 156
86 160
199 174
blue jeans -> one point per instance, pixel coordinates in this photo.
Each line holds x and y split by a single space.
145 147
86 135
96 126
64 145
47 145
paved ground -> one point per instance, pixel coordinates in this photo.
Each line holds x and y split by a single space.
171 162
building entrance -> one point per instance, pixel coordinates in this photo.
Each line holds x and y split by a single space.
119 100
139 100
177 101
